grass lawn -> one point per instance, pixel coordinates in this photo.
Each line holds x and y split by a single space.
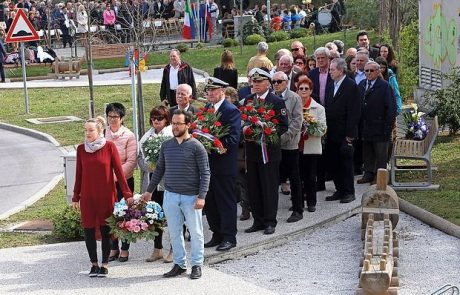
209 58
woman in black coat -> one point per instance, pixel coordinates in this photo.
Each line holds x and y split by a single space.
227 71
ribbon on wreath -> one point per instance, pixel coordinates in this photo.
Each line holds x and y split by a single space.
216 142
263 144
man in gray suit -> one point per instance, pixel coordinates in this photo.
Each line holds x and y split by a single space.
183 99
289 166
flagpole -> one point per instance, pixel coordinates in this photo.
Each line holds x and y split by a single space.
24 78
197 15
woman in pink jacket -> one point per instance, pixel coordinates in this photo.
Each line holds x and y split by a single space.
109 16
126 144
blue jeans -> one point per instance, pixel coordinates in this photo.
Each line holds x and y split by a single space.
179 208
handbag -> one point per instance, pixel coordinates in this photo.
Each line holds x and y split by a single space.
312 146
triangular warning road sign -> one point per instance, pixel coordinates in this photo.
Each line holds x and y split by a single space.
21 29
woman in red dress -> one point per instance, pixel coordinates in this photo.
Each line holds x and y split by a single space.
95 192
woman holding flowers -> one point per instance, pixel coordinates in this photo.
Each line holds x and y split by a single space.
126 144
95 191
160 130
313 127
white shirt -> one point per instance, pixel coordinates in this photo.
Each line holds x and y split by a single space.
218 104
263 96
173 81
359 76
338 83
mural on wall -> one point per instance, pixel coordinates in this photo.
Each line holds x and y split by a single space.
440 39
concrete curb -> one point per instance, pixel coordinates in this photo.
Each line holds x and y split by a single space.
430 218
30 132
277 240
34 198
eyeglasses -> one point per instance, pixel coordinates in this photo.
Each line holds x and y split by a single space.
278 81
295 49
113 117
369 70
178 123
304 88
157 118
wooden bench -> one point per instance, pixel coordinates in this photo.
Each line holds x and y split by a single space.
413 150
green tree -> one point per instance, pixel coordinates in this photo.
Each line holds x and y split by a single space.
408 55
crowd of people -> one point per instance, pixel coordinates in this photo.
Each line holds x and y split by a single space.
349 98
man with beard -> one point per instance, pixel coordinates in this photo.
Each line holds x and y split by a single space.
183 161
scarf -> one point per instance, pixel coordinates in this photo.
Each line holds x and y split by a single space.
91 147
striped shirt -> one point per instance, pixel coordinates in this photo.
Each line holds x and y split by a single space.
185 168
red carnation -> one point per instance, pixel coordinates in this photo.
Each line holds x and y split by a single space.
249 108
248 132
193 126
275 121
261 110
201 118
199 114
217 124
244 117
267 130
217 143
266 117
201 108
271 112
205 130
195 135
211 111
242 108
254 120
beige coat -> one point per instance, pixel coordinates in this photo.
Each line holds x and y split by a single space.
312 146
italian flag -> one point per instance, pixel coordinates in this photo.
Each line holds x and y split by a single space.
188 32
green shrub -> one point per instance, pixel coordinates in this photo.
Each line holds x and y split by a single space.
67 224
280 36
270 38
200 45
182 47
229 42
446 102
298 33
252 27
235 42
253 39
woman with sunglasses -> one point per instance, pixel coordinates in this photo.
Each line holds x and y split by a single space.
301 62
126 144
160 126
310 144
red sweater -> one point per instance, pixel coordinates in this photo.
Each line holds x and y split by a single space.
95 184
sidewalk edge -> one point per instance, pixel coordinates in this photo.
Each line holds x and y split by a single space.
278 240
34 198
30 132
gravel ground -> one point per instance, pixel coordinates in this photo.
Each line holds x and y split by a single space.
327 261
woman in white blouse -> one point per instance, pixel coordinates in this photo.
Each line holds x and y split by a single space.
160 126
310 140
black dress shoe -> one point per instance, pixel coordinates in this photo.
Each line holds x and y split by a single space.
336 196
311 208
174 272
123 258
212 243
348 198
225 246
253 229
296 216
196 272
114 257
269 230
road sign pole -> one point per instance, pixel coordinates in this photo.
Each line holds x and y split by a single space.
24 78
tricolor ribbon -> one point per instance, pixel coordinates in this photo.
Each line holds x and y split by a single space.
263 144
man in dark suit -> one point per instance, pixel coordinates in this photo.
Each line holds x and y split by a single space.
183 100
363 41
379 113
263 175
343 111
322 82
175 73
221 209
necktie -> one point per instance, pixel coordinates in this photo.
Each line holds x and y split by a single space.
369 84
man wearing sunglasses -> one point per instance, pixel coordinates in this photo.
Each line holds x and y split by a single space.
378 115
289 166
298 49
